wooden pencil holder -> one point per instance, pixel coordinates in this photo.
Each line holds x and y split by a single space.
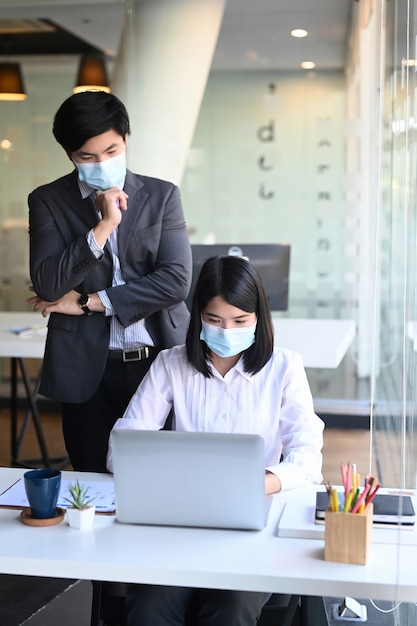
348 536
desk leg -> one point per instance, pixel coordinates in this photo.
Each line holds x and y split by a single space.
13 412
313 612
32 413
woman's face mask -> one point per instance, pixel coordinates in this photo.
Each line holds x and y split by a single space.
227 341
102 175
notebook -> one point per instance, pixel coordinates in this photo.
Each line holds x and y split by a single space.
210 480
389 509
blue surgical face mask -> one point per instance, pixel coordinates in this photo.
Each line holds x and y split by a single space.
227 341
104 174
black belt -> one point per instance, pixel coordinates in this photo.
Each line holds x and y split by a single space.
136 354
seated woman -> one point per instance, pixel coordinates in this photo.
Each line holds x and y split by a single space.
228 377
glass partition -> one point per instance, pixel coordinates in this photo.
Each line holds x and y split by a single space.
395 378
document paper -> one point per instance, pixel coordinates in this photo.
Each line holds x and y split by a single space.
102 492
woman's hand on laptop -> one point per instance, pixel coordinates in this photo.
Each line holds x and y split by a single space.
272 483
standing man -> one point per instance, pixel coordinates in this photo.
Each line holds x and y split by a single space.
110 264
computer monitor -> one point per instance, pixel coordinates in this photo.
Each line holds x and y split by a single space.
271 260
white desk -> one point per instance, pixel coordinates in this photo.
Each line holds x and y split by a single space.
412 333
321 342
17 348
257 561
26 346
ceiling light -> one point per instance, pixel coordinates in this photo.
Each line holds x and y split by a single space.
92 75
308 65
11 82
299 32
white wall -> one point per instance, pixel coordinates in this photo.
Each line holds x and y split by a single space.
267 165
295 195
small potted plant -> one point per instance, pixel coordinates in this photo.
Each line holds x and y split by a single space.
80 512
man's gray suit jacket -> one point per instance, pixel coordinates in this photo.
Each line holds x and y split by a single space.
155 260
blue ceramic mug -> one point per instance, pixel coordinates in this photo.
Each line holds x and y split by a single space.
42 490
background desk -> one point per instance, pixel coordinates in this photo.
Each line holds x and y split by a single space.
18 348
322 343
28 346
256 561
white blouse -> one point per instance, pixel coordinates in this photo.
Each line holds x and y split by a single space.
275 403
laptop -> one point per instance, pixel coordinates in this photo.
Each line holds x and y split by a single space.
207 480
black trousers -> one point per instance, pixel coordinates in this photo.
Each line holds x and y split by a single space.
86 426
154 605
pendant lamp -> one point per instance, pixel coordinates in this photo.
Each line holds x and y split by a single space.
92 75
11 82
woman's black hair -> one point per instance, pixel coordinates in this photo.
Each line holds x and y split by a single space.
239 284
88 114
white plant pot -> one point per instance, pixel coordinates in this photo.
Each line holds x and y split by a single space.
81 518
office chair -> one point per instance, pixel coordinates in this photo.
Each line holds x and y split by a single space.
108 607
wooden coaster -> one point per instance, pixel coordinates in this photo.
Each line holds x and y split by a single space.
26 518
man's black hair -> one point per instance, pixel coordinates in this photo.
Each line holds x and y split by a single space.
88 114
